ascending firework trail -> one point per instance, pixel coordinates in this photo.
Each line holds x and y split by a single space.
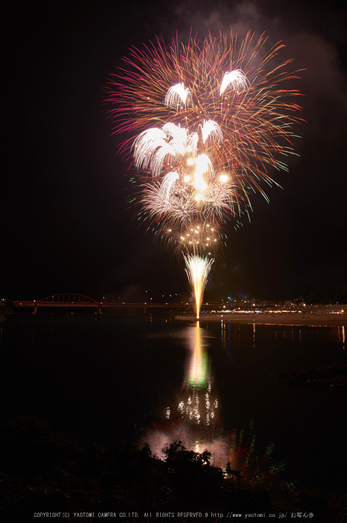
206 122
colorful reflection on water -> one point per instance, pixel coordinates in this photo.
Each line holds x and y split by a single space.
197 404
194 418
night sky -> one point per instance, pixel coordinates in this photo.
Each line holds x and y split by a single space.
66 226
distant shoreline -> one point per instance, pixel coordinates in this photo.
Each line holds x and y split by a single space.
317 320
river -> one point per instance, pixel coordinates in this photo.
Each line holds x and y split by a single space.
108 379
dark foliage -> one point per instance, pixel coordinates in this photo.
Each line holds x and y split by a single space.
41 470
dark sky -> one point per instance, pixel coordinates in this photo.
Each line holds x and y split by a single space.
65 222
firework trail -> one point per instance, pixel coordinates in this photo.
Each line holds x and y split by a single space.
197 269
206 124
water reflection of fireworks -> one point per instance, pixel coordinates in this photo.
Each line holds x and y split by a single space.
198 406
194 420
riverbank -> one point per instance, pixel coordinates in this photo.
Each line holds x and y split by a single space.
45 471
317 320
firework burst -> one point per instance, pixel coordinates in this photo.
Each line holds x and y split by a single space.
217 115
206 124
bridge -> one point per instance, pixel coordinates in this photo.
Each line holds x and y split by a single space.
74 301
